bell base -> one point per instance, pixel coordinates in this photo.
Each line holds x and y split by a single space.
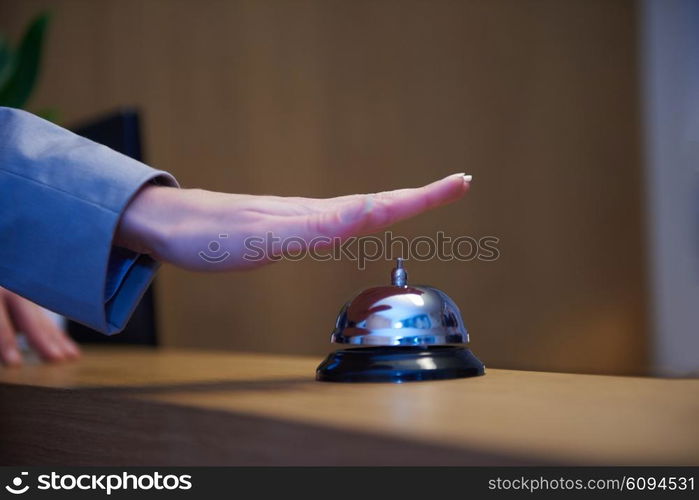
399 364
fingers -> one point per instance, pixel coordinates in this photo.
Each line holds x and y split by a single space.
66 344
8 341
46 338
393 206
361 214
436 189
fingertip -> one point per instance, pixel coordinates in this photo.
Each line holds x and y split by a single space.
72 349
457 186
68 348
12 357
467 186
54 353
460 177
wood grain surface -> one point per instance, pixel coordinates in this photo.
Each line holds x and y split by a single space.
158 407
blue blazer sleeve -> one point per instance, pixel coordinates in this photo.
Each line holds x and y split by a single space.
61 198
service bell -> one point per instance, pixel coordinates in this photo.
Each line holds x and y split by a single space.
400 333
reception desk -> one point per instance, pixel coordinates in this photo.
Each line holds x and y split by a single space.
138 406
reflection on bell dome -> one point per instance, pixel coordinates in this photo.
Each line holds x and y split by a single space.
400 315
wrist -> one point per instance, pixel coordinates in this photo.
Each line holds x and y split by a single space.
147 221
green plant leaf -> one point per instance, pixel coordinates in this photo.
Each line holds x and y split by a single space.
7 61
20 83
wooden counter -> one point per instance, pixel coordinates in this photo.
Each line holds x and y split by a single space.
135 406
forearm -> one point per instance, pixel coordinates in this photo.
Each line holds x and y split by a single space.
61 198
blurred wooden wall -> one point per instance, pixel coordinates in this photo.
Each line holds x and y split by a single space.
536 99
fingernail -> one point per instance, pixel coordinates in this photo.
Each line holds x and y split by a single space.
467 178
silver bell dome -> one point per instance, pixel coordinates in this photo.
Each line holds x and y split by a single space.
400 314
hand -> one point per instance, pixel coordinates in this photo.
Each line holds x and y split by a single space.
176 225
19 315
